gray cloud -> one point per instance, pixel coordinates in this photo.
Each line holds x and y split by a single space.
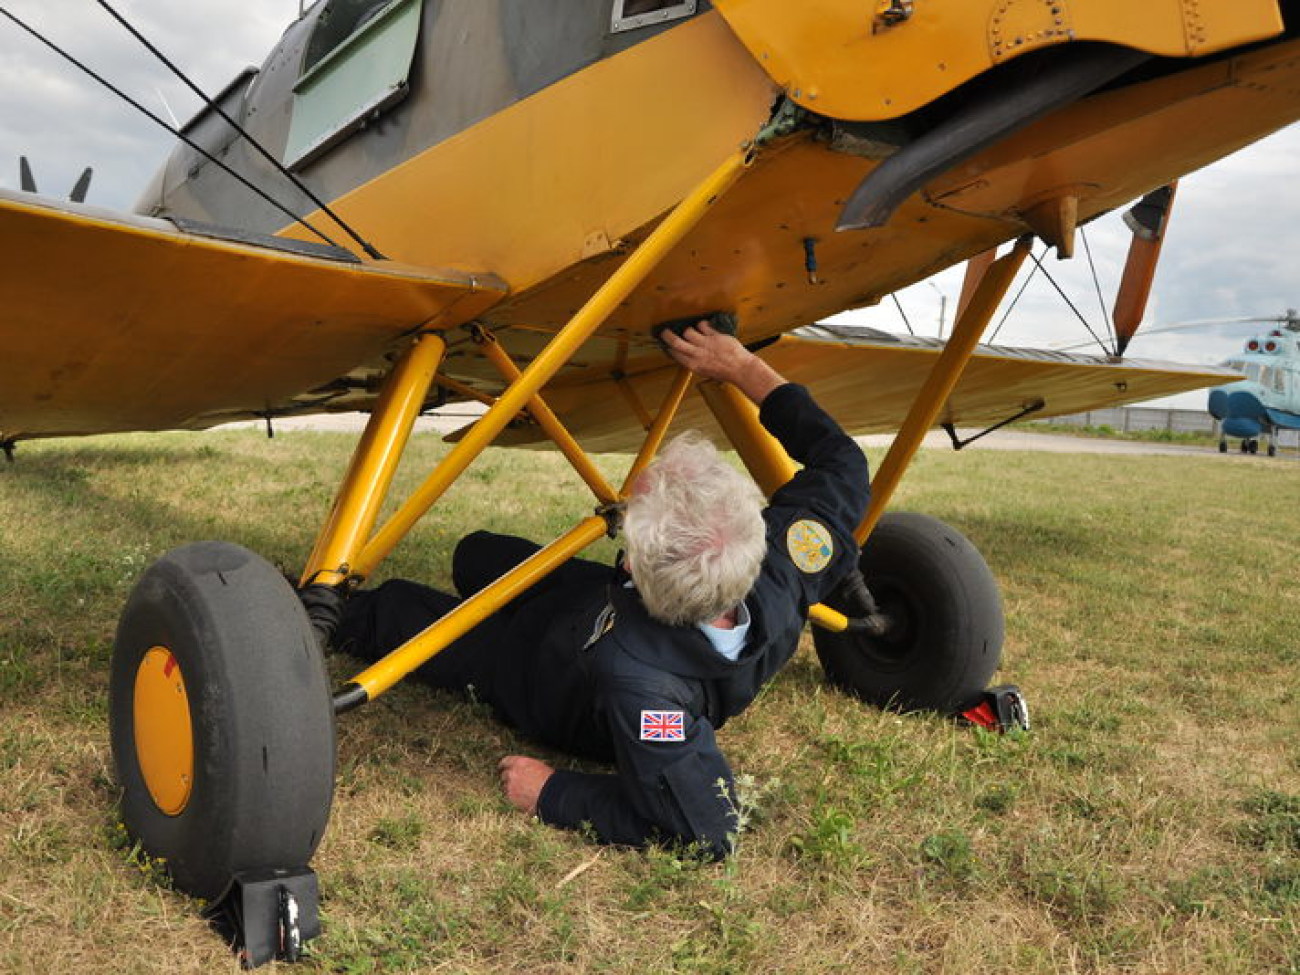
64 122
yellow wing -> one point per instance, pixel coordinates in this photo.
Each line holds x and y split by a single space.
113 322
869 379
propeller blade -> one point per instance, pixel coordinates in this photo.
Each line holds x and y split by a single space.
1148 220
79 191
25 175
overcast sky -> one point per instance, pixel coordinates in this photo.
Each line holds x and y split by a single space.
1231 249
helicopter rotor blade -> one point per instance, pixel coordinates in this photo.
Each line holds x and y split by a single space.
1182 326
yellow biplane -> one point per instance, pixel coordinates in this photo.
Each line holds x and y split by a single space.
542 183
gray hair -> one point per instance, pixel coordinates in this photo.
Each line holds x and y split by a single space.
695 533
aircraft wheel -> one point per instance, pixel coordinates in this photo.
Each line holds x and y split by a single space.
946 623
1272 450
221 718
1223 446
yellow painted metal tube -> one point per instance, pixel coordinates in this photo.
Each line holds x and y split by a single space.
374 462
827 618
634 403
659 428
387 671
943 378
463 389
558 351
551 424
762 454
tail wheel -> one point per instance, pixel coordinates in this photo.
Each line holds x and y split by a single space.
221 719
944 641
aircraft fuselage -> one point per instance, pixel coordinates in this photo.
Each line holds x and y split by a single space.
532 139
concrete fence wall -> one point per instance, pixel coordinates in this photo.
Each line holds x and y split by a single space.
1128 419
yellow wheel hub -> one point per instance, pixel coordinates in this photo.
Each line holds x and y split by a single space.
164 736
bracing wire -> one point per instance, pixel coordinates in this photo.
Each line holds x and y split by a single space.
161 122
1014 301
899 305
1096 283
370 250
1066 299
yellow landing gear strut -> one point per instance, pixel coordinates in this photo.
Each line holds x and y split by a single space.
346 552
221 712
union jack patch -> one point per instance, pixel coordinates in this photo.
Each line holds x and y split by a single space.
663 726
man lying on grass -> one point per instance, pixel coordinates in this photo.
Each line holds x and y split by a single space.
639 664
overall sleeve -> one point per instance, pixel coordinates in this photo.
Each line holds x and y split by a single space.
834 482
811 519
672 784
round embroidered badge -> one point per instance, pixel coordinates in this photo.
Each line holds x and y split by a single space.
810 545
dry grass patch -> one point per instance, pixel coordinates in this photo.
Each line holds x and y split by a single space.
1149 824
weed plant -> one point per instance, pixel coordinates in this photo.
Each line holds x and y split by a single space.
1149 823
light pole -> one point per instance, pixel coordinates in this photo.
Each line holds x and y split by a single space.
943 305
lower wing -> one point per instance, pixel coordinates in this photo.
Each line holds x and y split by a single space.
868 380
114 322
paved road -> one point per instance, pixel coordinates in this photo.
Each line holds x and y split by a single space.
1063 444
1053 443
456 417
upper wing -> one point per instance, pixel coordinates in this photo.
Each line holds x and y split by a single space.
114 322
869 380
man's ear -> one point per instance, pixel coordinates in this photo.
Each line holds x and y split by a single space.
623 562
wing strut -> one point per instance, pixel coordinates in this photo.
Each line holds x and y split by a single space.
930 401
340 560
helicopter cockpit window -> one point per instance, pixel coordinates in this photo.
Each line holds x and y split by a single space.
355 67
630 14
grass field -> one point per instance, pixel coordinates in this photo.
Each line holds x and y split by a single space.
1150 823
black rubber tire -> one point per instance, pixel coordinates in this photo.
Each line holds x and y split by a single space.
945 641
260 713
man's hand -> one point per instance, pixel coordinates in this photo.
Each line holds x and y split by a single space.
522 779
712 355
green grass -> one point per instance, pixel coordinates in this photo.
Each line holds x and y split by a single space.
1150 822
1188 438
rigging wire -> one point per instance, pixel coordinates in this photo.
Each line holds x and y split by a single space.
1066 299
1011 307
899 305
366 246
1096 283
159 121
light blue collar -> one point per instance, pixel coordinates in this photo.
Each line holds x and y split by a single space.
730 642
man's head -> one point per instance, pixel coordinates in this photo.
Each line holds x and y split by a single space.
695 534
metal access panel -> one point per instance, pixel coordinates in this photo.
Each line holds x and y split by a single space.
631 14
362 77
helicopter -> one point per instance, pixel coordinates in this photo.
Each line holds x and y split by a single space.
1267 398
